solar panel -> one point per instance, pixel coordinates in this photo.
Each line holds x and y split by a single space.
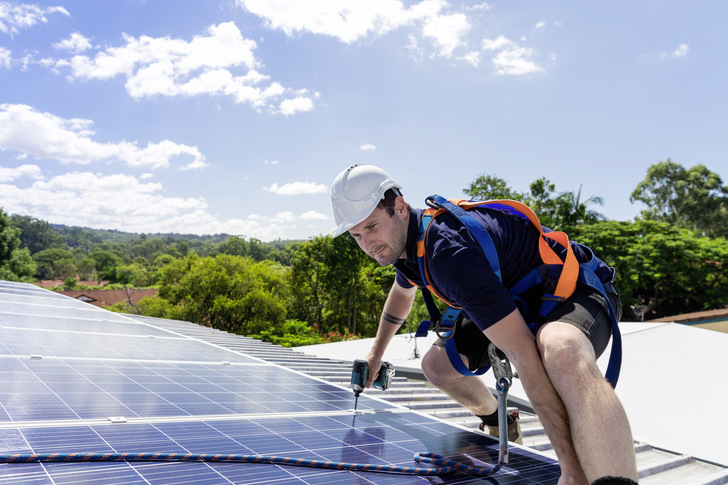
79 379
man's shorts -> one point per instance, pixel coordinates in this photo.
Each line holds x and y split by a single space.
586 309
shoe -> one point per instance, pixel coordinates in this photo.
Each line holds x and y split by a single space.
514 429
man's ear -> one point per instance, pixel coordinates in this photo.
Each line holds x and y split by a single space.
400 206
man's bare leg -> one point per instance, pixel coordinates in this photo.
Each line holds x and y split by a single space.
471 392
599 426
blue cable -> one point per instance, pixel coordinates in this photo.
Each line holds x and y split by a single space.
442 464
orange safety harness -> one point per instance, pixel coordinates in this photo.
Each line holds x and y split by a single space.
567 272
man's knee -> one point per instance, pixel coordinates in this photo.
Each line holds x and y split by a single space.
437 367
565 349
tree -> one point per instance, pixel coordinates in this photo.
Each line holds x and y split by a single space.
35 234
571 211
15 263
54 264
695 199
231 293
487 187
558 212
234 246
664 267
105 262
307 280
336 287
344 263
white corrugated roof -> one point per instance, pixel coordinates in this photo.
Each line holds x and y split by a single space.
674 382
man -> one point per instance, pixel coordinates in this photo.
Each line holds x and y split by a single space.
579 410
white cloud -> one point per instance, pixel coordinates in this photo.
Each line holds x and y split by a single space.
125 203
119 202
367 147
353 20
102 201
313 216
472 58
23 16
511 58
482 6
297 188
295 105
11 174
681 51
496 44
271 162
206 65
75 43
46 136
284 218
5 58
540 25
447 32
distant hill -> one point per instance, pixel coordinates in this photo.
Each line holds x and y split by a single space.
113 236
121 237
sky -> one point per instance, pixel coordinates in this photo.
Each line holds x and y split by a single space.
234 116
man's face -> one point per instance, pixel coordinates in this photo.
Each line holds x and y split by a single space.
381 236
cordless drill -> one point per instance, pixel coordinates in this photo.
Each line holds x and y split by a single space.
360 374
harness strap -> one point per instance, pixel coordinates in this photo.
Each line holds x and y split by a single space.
457 361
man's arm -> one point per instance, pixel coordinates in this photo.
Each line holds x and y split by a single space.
396 308
512 336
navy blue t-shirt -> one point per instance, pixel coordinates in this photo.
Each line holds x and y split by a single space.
460 271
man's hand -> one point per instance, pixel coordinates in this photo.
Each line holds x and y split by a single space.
374 363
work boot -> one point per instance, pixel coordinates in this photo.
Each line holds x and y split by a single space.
514 429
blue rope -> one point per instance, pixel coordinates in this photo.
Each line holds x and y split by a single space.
442 464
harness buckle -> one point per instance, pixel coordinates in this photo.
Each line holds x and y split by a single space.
449 326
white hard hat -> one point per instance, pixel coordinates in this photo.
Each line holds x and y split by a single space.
356 192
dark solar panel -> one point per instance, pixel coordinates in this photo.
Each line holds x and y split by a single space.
91 381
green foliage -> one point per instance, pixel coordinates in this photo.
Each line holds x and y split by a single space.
155 306
35 234
9 238
556 211
54 264
278 251
231 293
487 187
694 199
664 267
15 263
293 333
336 287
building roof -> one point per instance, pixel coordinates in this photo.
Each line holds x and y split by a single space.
708 315
48 284
106 298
